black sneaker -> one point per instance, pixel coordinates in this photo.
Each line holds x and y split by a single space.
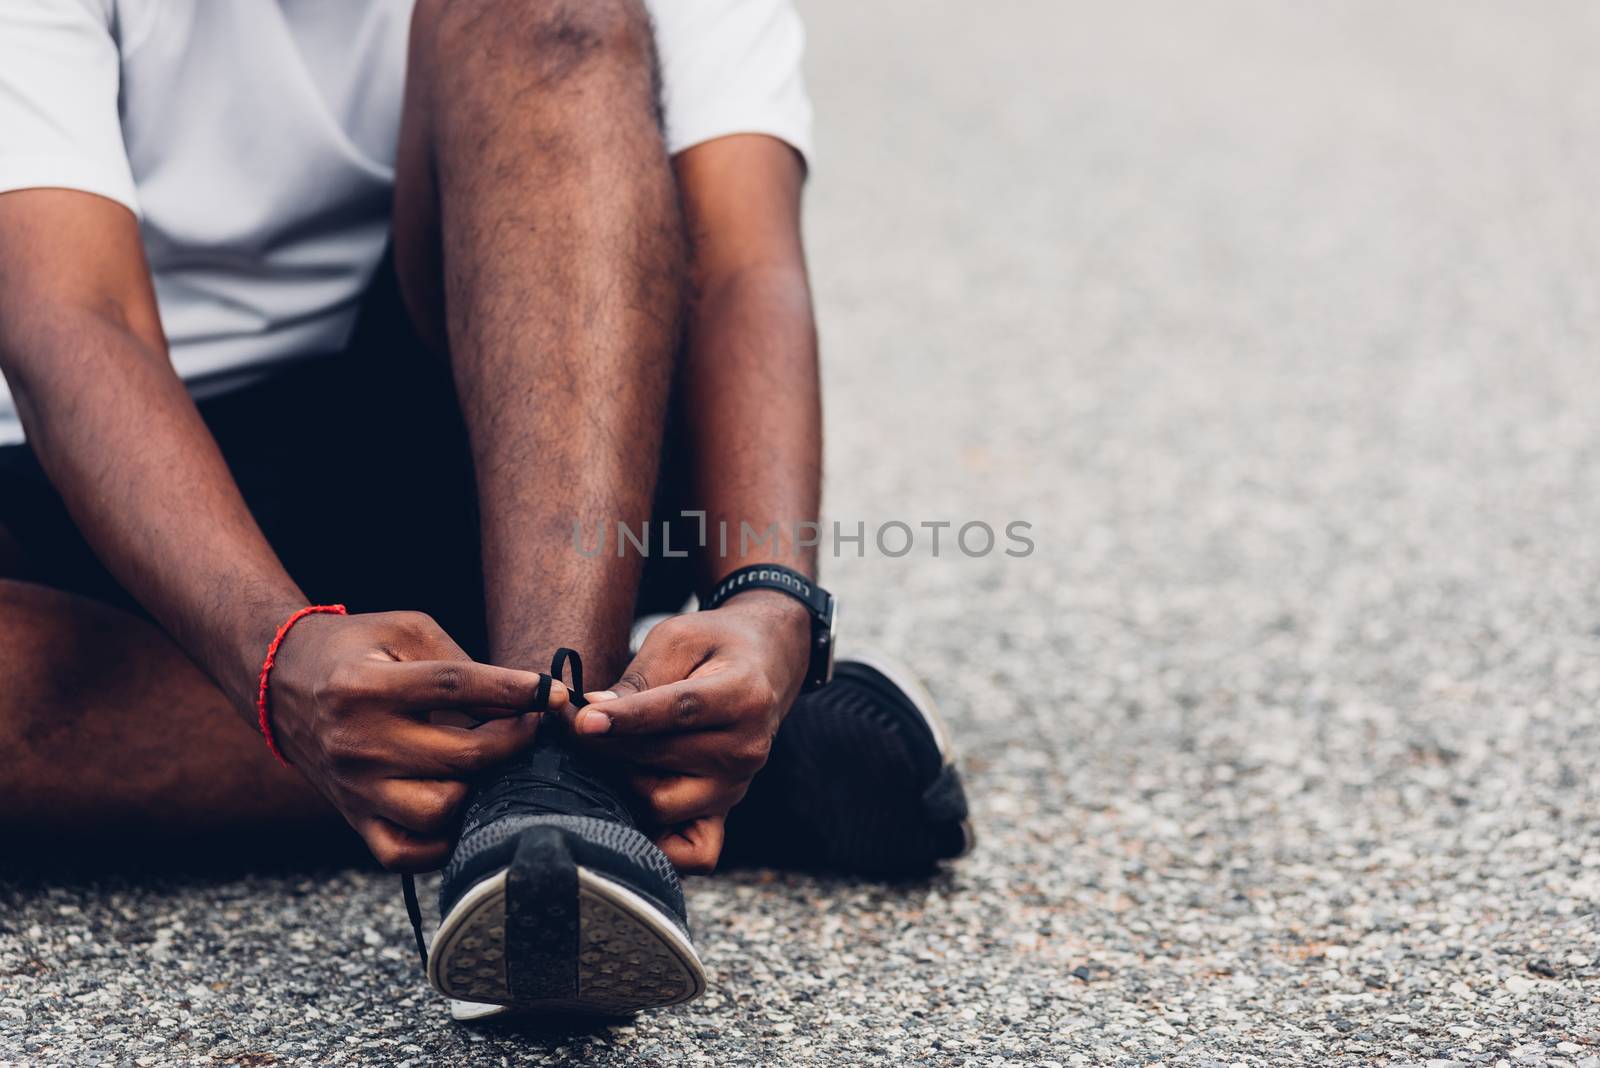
553 901
861 779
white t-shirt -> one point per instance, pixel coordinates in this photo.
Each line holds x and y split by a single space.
255 140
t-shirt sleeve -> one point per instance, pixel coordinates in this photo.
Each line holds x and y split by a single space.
732 66
60 73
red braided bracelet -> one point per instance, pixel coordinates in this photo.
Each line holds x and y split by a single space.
272 657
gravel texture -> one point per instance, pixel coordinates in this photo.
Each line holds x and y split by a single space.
1279 323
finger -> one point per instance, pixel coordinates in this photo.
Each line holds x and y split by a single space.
651 667
695 847
670 800
426 685
429 808
433 751
400 850
671 652
709 700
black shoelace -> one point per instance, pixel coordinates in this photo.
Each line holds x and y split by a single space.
519 786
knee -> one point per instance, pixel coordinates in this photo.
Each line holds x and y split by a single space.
547 41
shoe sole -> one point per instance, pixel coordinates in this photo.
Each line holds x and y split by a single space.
907 682
629 955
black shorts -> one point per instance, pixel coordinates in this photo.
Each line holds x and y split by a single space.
356 467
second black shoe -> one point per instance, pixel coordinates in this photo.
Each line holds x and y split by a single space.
553 901
861 779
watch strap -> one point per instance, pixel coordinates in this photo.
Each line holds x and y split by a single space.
771 577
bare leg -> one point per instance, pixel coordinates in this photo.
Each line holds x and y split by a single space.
536 211
111 733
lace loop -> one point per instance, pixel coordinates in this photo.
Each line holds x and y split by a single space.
557 669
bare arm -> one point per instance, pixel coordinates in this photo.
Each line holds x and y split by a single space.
82 349
751 395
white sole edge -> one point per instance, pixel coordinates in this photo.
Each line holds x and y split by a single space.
601 902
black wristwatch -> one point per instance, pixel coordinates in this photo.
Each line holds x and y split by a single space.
818 601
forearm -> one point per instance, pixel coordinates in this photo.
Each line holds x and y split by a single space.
754 418
141 476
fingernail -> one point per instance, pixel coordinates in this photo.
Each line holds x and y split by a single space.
590 722
600 695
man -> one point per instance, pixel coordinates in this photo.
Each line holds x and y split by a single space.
196 197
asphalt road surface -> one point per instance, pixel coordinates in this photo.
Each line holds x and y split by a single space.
1280 326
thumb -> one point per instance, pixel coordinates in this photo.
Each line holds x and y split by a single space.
585 716
644 672
669 653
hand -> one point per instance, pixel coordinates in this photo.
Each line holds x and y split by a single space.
350 700
694 715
